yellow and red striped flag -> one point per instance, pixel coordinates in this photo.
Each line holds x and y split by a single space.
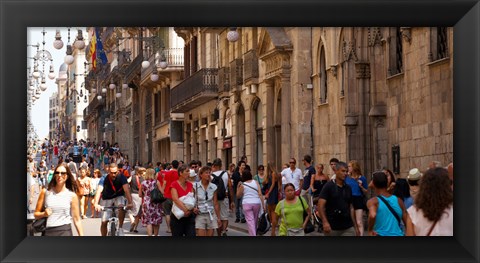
93 50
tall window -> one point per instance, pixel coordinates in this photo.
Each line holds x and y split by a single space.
323 77
438 43
396 52
259 131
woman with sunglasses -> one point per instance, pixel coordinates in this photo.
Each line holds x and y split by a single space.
208 218
59 203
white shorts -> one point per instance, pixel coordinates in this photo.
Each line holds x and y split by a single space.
117 201
203 221
224 209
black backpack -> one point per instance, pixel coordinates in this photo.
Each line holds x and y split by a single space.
221 191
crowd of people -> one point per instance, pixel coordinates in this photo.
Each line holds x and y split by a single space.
197 199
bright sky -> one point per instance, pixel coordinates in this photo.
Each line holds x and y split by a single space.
40 109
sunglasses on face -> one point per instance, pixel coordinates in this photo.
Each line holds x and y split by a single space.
60 173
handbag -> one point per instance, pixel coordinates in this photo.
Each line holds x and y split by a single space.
156 196
291 231
39 225
309 227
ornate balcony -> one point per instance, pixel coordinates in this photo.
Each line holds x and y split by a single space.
195 90
250 66
236 74
223 80
92 107
174 57
133 69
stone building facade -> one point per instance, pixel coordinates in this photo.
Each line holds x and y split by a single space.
382 96
134 111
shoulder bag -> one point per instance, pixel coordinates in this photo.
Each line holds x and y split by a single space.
309 228
156 196
39 225
291 231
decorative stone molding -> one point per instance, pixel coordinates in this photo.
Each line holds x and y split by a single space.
275 65
362 70
374 36
379 122
348 49
237 96
351 130
407 33
351 120
333 69
379 110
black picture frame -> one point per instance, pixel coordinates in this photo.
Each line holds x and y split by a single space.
16 16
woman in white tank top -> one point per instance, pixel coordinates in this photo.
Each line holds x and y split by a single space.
252 200
59 204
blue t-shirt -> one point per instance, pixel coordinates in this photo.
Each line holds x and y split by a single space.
385 223
356 191
308 177
408 202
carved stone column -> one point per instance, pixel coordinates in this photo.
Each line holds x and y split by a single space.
286 117
270 122
378 115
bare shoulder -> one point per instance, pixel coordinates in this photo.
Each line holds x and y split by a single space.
372 201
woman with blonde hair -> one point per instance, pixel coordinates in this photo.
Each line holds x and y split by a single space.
59 203
359 186
151 212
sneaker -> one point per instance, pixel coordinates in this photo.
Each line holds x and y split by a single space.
237 220
243 220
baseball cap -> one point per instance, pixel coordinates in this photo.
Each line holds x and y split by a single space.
414 174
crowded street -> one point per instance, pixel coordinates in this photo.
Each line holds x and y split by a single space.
249 131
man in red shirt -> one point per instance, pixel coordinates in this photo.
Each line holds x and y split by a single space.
168 178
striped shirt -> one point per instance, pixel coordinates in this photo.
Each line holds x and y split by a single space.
60 203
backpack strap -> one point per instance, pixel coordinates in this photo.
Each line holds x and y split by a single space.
390 208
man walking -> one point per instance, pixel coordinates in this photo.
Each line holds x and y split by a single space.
225 199
309 172
294 175
335 205
385 210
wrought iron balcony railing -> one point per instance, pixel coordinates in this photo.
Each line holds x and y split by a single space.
195 90
236 74
250 65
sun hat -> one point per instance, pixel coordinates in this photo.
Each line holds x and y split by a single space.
414 174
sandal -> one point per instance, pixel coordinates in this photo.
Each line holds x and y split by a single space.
132 228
